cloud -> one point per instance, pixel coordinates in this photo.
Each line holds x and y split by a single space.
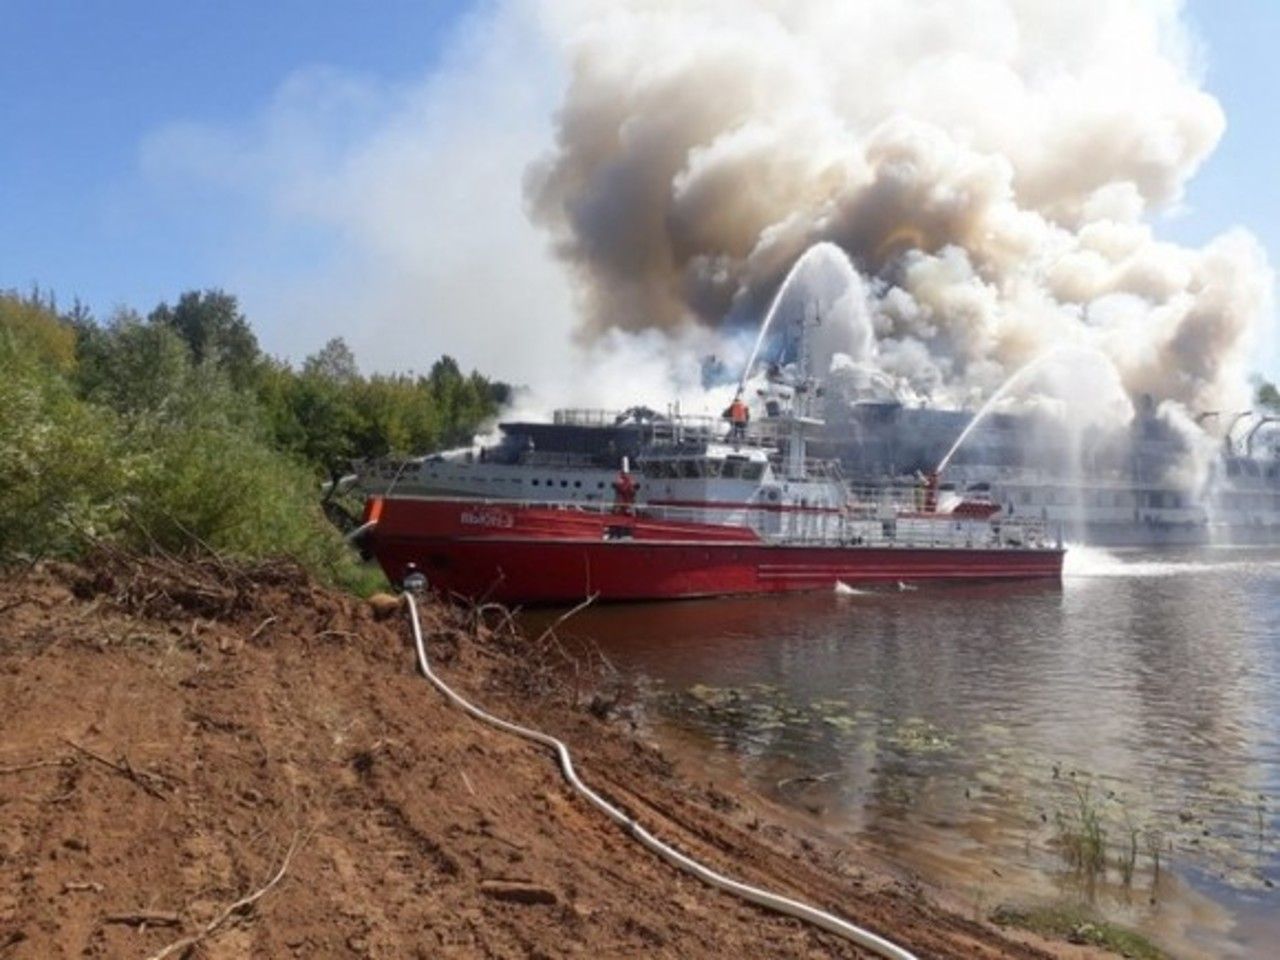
393 214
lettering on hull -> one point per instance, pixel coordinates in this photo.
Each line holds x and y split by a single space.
489 518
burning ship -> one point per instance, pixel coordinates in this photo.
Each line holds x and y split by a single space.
1126 489
643 506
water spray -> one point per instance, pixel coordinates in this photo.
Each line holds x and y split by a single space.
1010 382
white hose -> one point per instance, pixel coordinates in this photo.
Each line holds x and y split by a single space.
360 531
762 898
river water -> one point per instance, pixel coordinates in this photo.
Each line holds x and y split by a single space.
1113 739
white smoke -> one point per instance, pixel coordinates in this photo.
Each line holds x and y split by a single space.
991 167
996 170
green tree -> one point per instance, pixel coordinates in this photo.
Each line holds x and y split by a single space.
328 420
214 329
131 365
31 326
334 361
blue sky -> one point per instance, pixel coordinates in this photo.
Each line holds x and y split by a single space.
84 83
85 86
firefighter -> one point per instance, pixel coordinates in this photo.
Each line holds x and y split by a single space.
624 492
738 415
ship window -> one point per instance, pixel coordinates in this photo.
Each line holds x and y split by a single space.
752 471
600 484
577 483
564 483
689 469
732 469
535 483
714 468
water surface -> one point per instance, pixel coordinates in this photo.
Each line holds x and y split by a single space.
984 736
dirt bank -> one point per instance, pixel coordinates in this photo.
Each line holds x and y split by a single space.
176 738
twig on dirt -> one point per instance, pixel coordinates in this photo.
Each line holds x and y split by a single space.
808 778
336 633
467 781
240 906
199 541
141 918
257 631
146 532
140 777
36 765
82 886
508 619
566 615
497 581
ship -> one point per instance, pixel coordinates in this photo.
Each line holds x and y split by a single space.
642 506
1130 492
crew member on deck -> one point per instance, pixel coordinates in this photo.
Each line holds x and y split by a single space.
624 492
738 415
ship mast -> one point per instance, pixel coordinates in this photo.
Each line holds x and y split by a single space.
802 394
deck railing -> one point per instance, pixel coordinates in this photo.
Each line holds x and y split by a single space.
821 528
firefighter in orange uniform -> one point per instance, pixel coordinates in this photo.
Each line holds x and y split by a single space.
738 415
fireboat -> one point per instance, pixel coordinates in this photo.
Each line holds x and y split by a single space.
707 507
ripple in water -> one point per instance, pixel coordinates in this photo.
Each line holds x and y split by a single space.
966 729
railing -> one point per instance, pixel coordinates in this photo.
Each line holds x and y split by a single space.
669 428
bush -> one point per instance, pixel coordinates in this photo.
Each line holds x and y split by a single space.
206 473
59 463
158 454
175 434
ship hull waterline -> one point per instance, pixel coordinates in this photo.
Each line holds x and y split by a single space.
545 557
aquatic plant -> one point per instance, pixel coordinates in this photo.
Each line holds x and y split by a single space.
1078 926
1081 834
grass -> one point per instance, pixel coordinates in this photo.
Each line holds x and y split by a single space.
1081 835
363 579
1077 925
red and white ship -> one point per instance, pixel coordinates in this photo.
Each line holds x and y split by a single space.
698 508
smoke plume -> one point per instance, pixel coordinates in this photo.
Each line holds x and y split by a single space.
992 169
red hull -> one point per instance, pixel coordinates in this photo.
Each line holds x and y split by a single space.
522 554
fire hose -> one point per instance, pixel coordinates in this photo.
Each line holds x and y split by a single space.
762 898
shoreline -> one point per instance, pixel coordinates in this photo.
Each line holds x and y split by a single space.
179 734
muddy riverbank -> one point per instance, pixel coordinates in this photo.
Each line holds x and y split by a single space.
179 739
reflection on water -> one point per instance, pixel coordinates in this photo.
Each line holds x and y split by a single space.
987 734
